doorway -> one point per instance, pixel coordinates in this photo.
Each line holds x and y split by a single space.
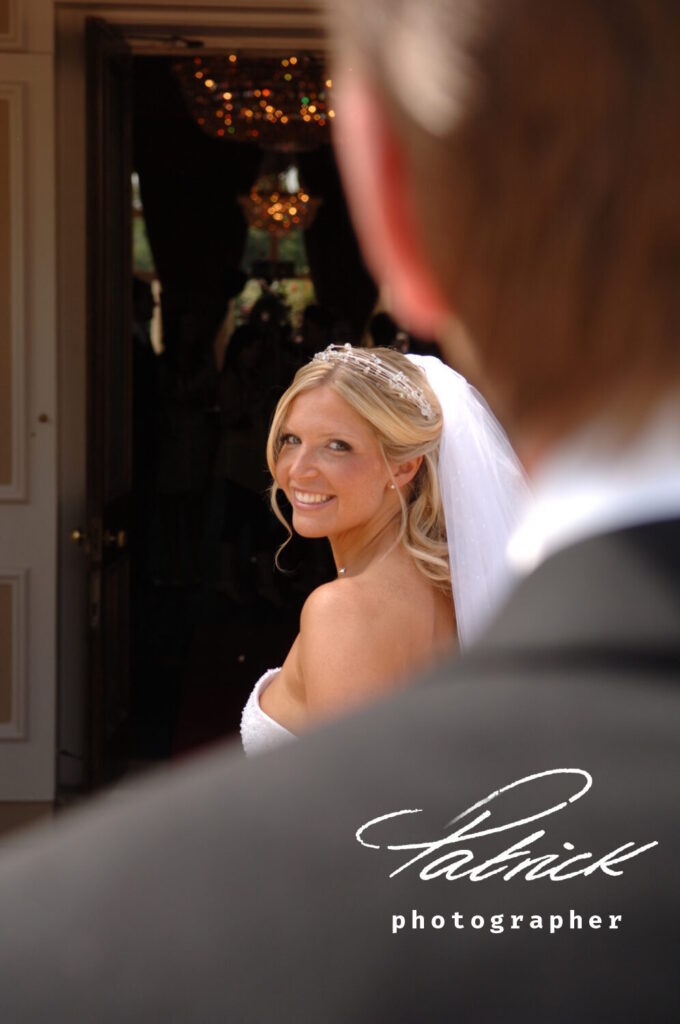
185 610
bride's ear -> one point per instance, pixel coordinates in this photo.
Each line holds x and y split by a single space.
379 189
404 472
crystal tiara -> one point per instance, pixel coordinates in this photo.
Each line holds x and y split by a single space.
373 366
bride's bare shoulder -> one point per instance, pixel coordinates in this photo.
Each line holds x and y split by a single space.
347 598
340 662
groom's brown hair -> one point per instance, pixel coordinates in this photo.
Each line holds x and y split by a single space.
546 137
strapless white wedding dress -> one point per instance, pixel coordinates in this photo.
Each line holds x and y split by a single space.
259 732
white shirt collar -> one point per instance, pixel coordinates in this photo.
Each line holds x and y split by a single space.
593 484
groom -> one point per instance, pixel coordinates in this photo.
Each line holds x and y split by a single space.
501 841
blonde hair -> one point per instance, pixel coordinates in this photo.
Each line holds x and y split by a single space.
402 432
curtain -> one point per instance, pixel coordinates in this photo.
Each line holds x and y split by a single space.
189 185
341 281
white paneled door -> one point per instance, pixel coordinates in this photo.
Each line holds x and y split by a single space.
28 427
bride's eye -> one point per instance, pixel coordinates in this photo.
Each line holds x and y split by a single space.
288 439
339 446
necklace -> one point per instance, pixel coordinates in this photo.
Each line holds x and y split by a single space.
366 555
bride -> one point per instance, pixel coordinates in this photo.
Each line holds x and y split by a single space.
400 464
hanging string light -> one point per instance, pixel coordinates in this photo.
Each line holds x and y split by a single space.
284 103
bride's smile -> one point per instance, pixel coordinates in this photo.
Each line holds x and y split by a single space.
307 498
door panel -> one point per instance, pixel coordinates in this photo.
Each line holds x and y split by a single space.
109 405
28 461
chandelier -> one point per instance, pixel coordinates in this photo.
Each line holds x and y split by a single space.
283 103
277 204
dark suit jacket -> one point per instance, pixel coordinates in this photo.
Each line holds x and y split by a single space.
236 891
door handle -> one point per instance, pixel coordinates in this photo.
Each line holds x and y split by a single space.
78 536
115 539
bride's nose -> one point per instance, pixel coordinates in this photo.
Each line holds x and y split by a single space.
304 466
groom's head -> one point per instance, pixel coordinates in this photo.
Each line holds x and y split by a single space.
514 170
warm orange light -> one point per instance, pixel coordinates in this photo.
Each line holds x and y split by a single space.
311 109
277 212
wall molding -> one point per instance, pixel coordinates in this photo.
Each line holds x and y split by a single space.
13 39
14 95
16 727
267 26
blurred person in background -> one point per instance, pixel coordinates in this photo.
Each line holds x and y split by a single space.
315 331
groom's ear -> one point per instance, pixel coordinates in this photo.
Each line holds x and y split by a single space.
379 191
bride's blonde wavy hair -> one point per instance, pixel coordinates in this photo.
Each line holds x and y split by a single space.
402 432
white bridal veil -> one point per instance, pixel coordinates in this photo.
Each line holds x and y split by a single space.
484 492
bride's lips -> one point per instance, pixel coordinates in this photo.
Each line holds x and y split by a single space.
310 500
